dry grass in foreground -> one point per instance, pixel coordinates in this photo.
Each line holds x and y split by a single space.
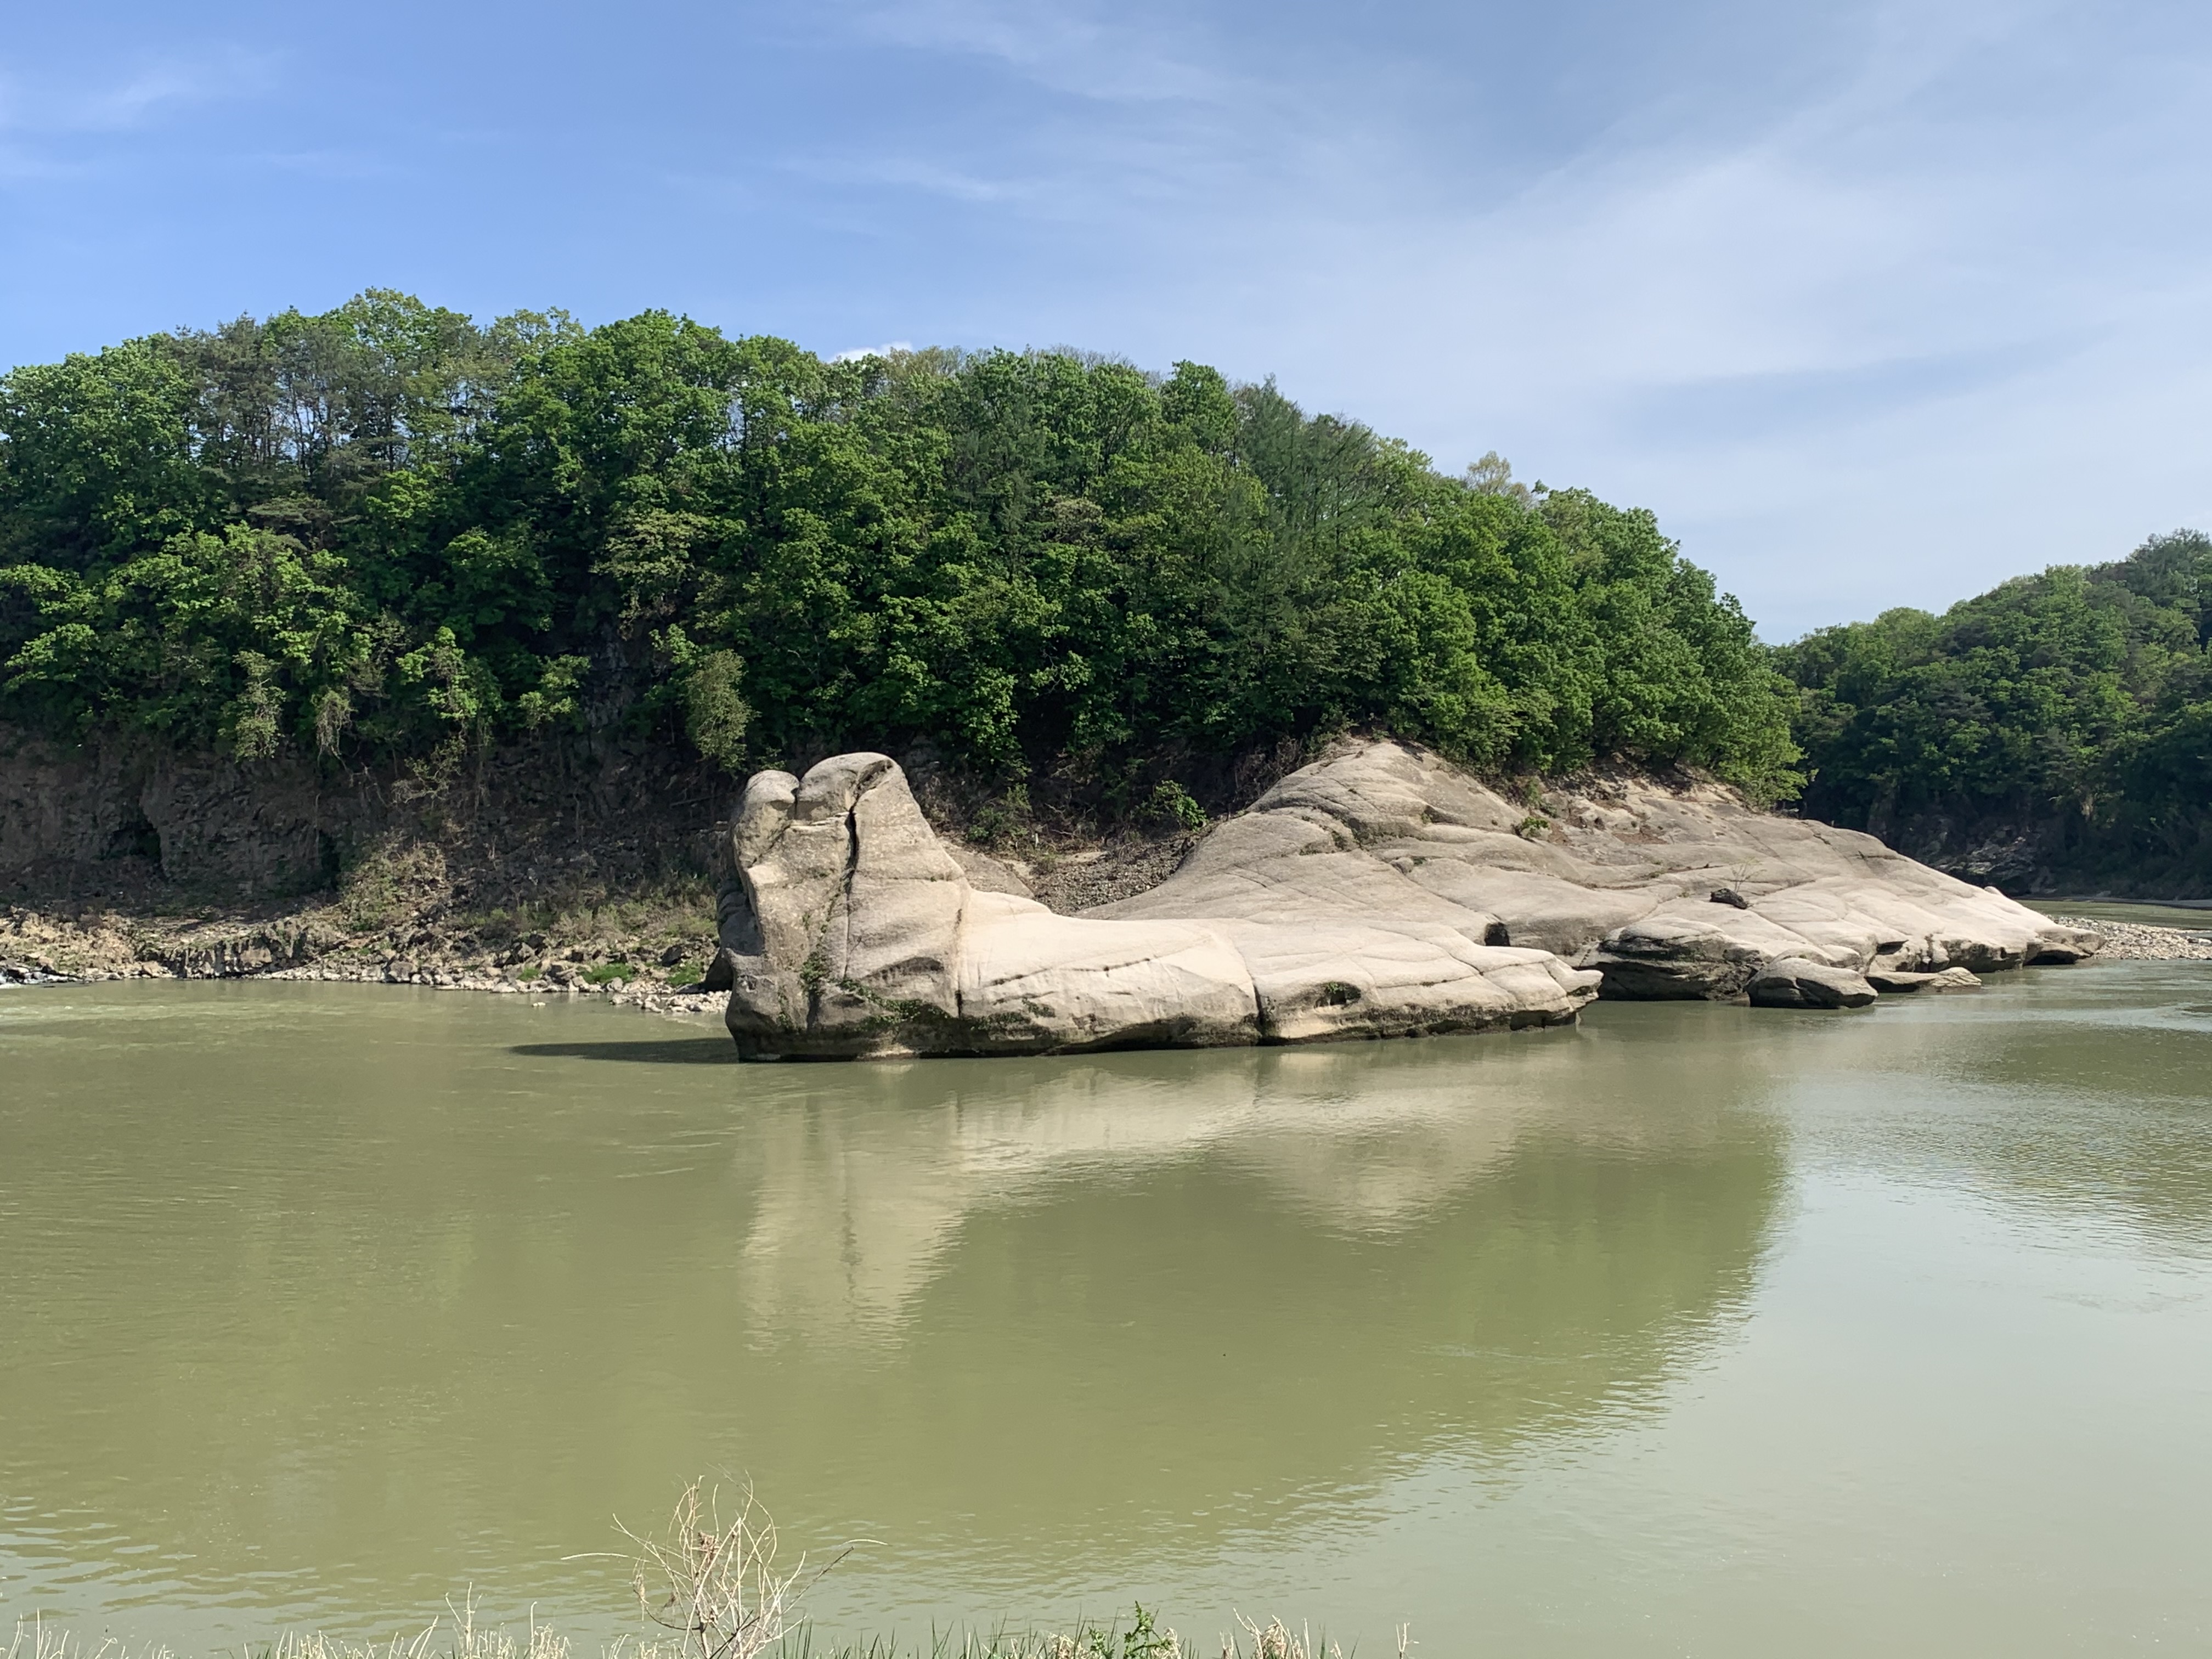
460 1638
712 1586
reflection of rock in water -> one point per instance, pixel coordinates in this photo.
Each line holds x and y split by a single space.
1069 1310
862 1191
1261 1275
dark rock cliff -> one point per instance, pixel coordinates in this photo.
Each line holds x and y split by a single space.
134 824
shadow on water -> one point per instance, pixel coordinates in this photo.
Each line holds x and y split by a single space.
667 1051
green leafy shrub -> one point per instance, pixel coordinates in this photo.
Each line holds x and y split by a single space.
1171 804
1001 822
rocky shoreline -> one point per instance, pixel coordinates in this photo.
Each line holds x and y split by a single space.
1664 890
2135 941
657 971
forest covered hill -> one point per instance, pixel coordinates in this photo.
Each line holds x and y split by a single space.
386 536
385 529
2055 730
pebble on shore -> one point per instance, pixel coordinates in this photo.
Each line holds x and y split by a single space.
653 997
2135 941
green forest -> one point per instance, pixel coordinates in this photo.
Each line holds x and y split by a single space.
2073 708
386 531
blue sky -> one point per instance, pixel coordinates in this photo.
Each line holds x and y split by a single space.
1875 304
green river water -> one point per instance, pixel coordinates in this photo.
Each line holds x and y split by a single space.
1694 1330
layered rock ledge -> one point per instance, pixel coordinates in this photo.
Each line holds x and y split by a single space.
1379 892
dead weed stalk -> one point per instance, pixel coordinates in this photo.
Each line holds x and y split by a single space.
714 1584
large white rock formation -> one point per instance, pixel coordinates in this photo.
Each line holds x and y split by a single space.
848 930
1379 892
1667 891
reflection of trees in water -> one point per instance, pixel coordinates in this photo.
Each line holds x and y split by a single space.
2081 1098
442 1330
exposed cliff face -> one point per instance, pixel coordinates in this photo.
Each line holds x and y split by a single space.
118 817
2040 849
121 858
131 822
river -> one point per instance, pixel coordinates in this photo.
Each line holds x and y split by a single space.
1695 1329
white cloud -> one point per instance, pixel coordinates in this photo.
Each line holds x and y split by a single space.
46 123
914 172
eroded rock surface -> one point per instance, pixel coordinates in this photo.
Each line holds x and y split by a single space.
1665 892
1379 892
848 930
1794 982
1897 980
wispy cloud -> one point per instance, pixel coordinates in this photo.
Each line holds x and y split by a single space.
1877 311
1089 51
52 127
912 173
46 106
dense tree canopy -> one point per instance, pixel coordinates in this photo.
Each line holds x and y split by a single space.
2083 696
385 530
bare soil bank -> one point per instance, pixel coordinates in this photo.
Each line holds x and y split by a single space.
582 864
